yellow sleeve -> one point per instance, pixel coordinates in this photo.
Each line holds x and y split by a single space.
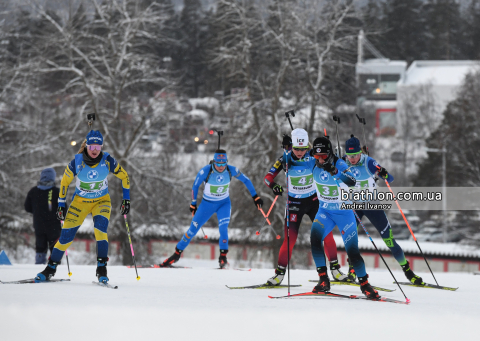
66 180
121 173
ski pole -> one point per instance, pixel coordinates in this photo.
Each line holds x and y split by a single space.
269 210
408 225
131 245
68 264
66 255
356 215
362 120
271 228
288 227
268 221
266 217
287 114
219 133
337 121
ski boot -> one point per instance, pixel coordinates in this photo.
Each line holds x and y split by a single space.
352 276
222 260
172 259
367 289
278 278
323 282
337 274
48 273
102 269
417 280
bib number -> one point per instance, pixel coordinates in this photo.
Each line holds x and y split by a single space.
328 191
218 189
91 186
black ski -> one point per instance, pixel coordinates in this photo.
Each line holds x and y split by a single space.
158 266
334 295
32 280
354 285
312 295
426 285
105 285
264 286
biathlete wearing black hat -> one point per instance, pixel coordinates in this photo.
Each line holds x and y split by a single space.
329 174
364 169
216 199
303 200
91 196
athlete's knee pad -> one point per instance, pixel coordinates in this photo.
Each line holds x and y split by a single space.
100 223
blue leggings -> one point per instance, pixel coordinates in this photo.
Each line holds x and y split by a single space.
381 223
205 211
324 222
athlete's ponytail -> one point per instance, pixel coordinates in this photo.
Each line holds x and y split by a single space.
82 147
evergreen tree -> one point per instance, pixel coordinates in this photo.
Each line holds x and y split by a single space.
471 30
192 50
443 23
405 36
374 24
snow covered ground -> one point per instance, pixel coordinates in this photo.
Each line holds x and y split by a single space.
194 304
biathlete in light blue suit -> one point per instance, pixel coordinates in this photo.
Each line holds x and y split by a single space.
330 174
216 199
364 169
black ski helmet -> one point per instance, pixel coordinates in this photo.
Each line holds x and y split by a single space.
322 145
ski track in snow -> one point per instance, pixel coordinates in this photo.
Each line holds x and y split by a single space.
194 304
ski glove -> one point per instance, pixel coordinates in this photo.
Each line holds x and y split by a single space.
257 201
329 167
193 208
287 142
277 189
382 172
125 208
61 212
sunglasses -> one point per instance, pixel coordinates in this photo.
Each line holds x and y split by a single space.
300 149
95 147
223 164
320 156
352 156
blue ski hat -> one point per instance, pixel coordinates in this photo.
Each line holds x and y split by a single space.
94 137
220 156
352 146
47 179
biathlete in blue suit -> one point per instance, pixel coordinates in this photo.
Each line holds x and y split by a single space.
364 168
330 174
216 199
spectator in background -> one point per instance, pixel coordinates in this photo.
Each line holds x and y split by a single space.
42 203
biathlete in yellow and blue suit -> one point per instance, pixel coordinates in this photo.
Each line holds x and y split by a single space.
216 199
91 167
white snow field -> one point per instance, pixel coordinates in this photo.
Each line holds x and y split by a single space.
194 304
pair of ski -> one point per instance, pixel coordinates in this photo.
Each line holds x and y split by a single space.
54 280
158 266
264 286
320 294
426 285
32 280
